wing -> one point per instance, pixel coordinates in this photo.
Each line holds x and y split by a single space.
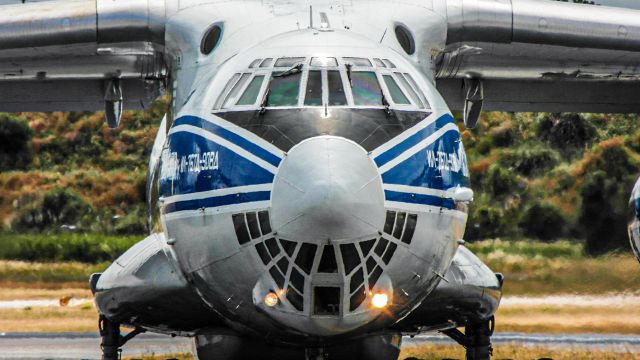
80 55
537 55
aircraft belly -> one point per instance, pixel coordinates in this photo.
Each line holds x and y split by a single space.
469 292
145 288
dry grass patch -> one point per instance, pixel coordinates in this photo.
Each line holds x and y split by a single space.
13 292
83 318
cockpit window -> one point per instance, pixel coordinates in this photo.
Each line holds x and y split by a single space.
389 63
423 99
366 89
321 81
313 95
379 63
284 90
358 61
414 97
266 63
227 87
250 95
288 62
397 95
337 97
324 61
254 63
233 95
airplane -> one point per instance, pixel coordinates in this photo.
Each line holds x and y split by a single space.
308 189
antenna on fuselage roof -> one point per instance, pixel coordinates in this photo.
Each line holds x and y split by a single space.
310 16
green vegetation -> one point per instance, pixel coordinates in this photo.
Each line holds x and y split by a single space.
535 175
88 248
553 176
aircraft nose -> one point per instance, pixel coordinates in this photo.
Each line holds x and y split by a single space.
327 188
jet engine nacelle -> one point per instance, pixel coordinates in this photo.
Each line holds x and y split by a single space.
634 219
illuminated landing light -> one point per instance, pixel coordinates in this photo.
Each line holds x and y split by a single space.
380 300
271 299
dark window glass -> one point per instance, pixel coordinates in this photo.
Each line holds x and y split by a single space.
382 244
283 264
389 63
211 39
412 220
289 62
252 220
250 95
328 263
365 88
262 252
375 275
358 61
313 96
356 280
226 90
254 63
266 63
233 95
388 224
288 246
397 95
357 298
274 250
277 277
349 257
397 231
389 254
415 86
305 257
297 280
241 228
324 61
265 225
371 263
337 96
326 301
366 246
284 91
414 96
295 299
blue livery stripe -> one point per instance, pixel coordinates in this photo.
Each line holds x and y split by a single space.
419 199
231 137
217 201
412 140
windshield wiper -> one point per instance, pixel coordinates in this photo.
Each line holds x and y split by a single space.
349 66
294 70
263 103
385 103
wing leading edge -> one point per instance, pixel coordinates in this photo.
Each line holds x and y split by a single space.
74 55
537 55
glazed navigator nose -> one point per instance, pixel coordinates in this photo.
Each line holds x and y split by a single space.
327 188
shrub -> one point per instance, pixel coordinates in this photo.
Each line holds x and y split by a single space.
603 214
543 221
56 208
569 133
499 181
530 161
484 222
15 147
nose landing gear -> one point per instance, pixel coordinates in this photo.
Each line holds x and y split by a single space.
476 339
112 341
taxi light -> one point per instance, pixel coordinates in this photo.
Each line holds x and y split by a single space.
380 300
271 299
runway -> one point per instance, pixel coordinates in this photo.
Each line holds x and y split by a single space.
75 346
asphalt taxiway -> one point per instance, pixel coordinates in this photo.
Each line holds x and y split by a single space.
22 346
